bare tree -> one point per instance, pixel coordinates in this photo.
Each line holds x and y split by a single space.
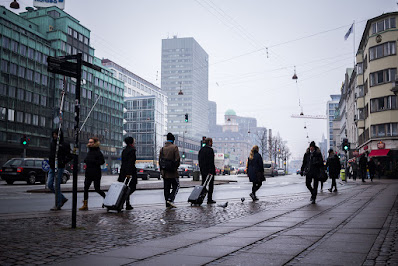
261 137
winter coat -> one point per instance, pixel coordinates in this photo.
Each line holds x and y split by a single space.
255 166
206 161
93 161
363 163
170 152
128 164
312 162
372 167
333 163
64 155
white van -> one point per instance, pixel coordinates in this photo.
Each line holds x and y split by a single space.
269 168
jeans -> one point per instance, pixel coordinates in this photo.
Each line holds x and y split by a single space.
59 198
169 183
308 183
97 186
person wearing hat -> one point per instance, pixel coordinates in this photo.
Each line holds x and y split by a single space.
333 164
128 168
206 165
170 156
311 168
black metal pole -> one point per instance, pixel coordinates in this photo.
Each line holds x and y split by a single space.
77 131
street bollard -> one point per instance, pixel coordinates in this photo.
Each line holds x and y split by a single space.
342 175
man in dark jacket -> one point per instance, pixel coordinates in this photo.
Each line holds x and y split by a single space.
63 157
363 163
170 153
206 164
128 168
372 169
333 164
311 168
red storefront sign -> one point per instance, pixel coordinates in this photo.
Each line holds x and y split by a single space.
381 145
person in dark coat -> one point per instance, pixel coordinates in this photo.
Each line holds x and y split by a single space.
311 168
93 161
255 171
128 168
171 153
333 164
63 157
372 169
363 163
206 164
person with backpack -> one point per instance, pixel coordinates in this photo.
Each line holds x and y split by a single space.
93 161
255 171
333 164
128 168
169 161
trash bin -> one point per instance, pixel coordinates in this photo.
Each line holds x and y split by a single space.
342 174
196 175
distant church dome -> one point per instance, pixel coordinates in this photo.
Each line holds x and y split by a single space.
230 112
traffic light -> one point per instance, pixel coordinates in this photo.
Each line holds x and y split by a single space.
183 155
25 141
186 118
345 145
202 142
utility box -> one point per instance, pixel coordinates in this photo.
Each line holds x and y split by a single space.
196 175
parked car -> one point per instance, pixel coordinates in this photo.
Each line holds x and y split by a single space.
281 171
27 169
147 171
269 169
185 170
241 170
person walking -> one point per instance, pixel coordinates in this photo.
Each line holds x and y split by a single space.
379 169
363 162
206 165
333 164
128 168
93 161
255 171
354 167
372 169
169 161
63 157
311 168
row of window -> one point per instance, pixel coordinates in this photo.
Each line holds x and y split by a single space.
383 25
382 50
21 117
23 72
78 36
23 50
384 130
23 95
382 76
383 103
108 86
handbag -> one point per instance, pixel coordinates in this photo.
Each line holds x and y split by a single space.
165 164
324 176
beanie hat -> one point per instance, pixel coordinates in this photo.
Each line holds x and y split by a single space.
312 144
170 136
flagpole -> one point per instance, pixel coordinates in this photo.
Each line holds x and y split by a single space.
353 38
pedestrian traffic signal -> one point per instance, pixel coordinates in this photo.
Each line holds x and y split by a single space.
202 142
345 145
186 118
25 141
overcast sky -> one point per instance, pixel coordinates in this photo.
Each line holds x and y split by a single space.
253 46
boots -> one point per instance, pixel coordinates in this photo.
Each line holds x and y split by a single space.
128 206
84 207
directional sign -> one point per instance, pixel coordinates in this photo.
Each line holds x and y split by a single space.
60 65
45 165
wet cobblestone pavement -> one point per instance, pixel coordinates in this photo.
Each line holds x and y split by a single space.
43 240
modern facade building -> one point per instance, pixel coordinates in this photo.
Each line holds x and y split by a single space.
146 115
30 95
331 107
377 104
185 68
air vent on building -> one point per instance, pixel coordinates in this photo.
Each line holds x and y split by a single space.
50 28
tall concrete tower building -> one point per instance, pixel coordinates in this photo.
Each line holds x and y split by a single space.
185 67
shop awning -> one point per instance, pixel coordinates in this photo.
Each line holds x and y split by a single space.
379 153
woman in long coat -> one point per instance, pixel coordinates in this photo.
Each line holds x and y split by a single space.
255 171
128 168
333 163
93 161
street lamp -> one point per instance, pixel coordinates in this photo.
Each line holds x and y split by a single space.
180 92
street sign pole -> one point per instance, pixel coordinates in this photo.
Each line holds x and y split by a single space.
77 131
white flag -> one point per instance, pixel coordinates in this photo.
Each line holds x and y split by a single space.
348 32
